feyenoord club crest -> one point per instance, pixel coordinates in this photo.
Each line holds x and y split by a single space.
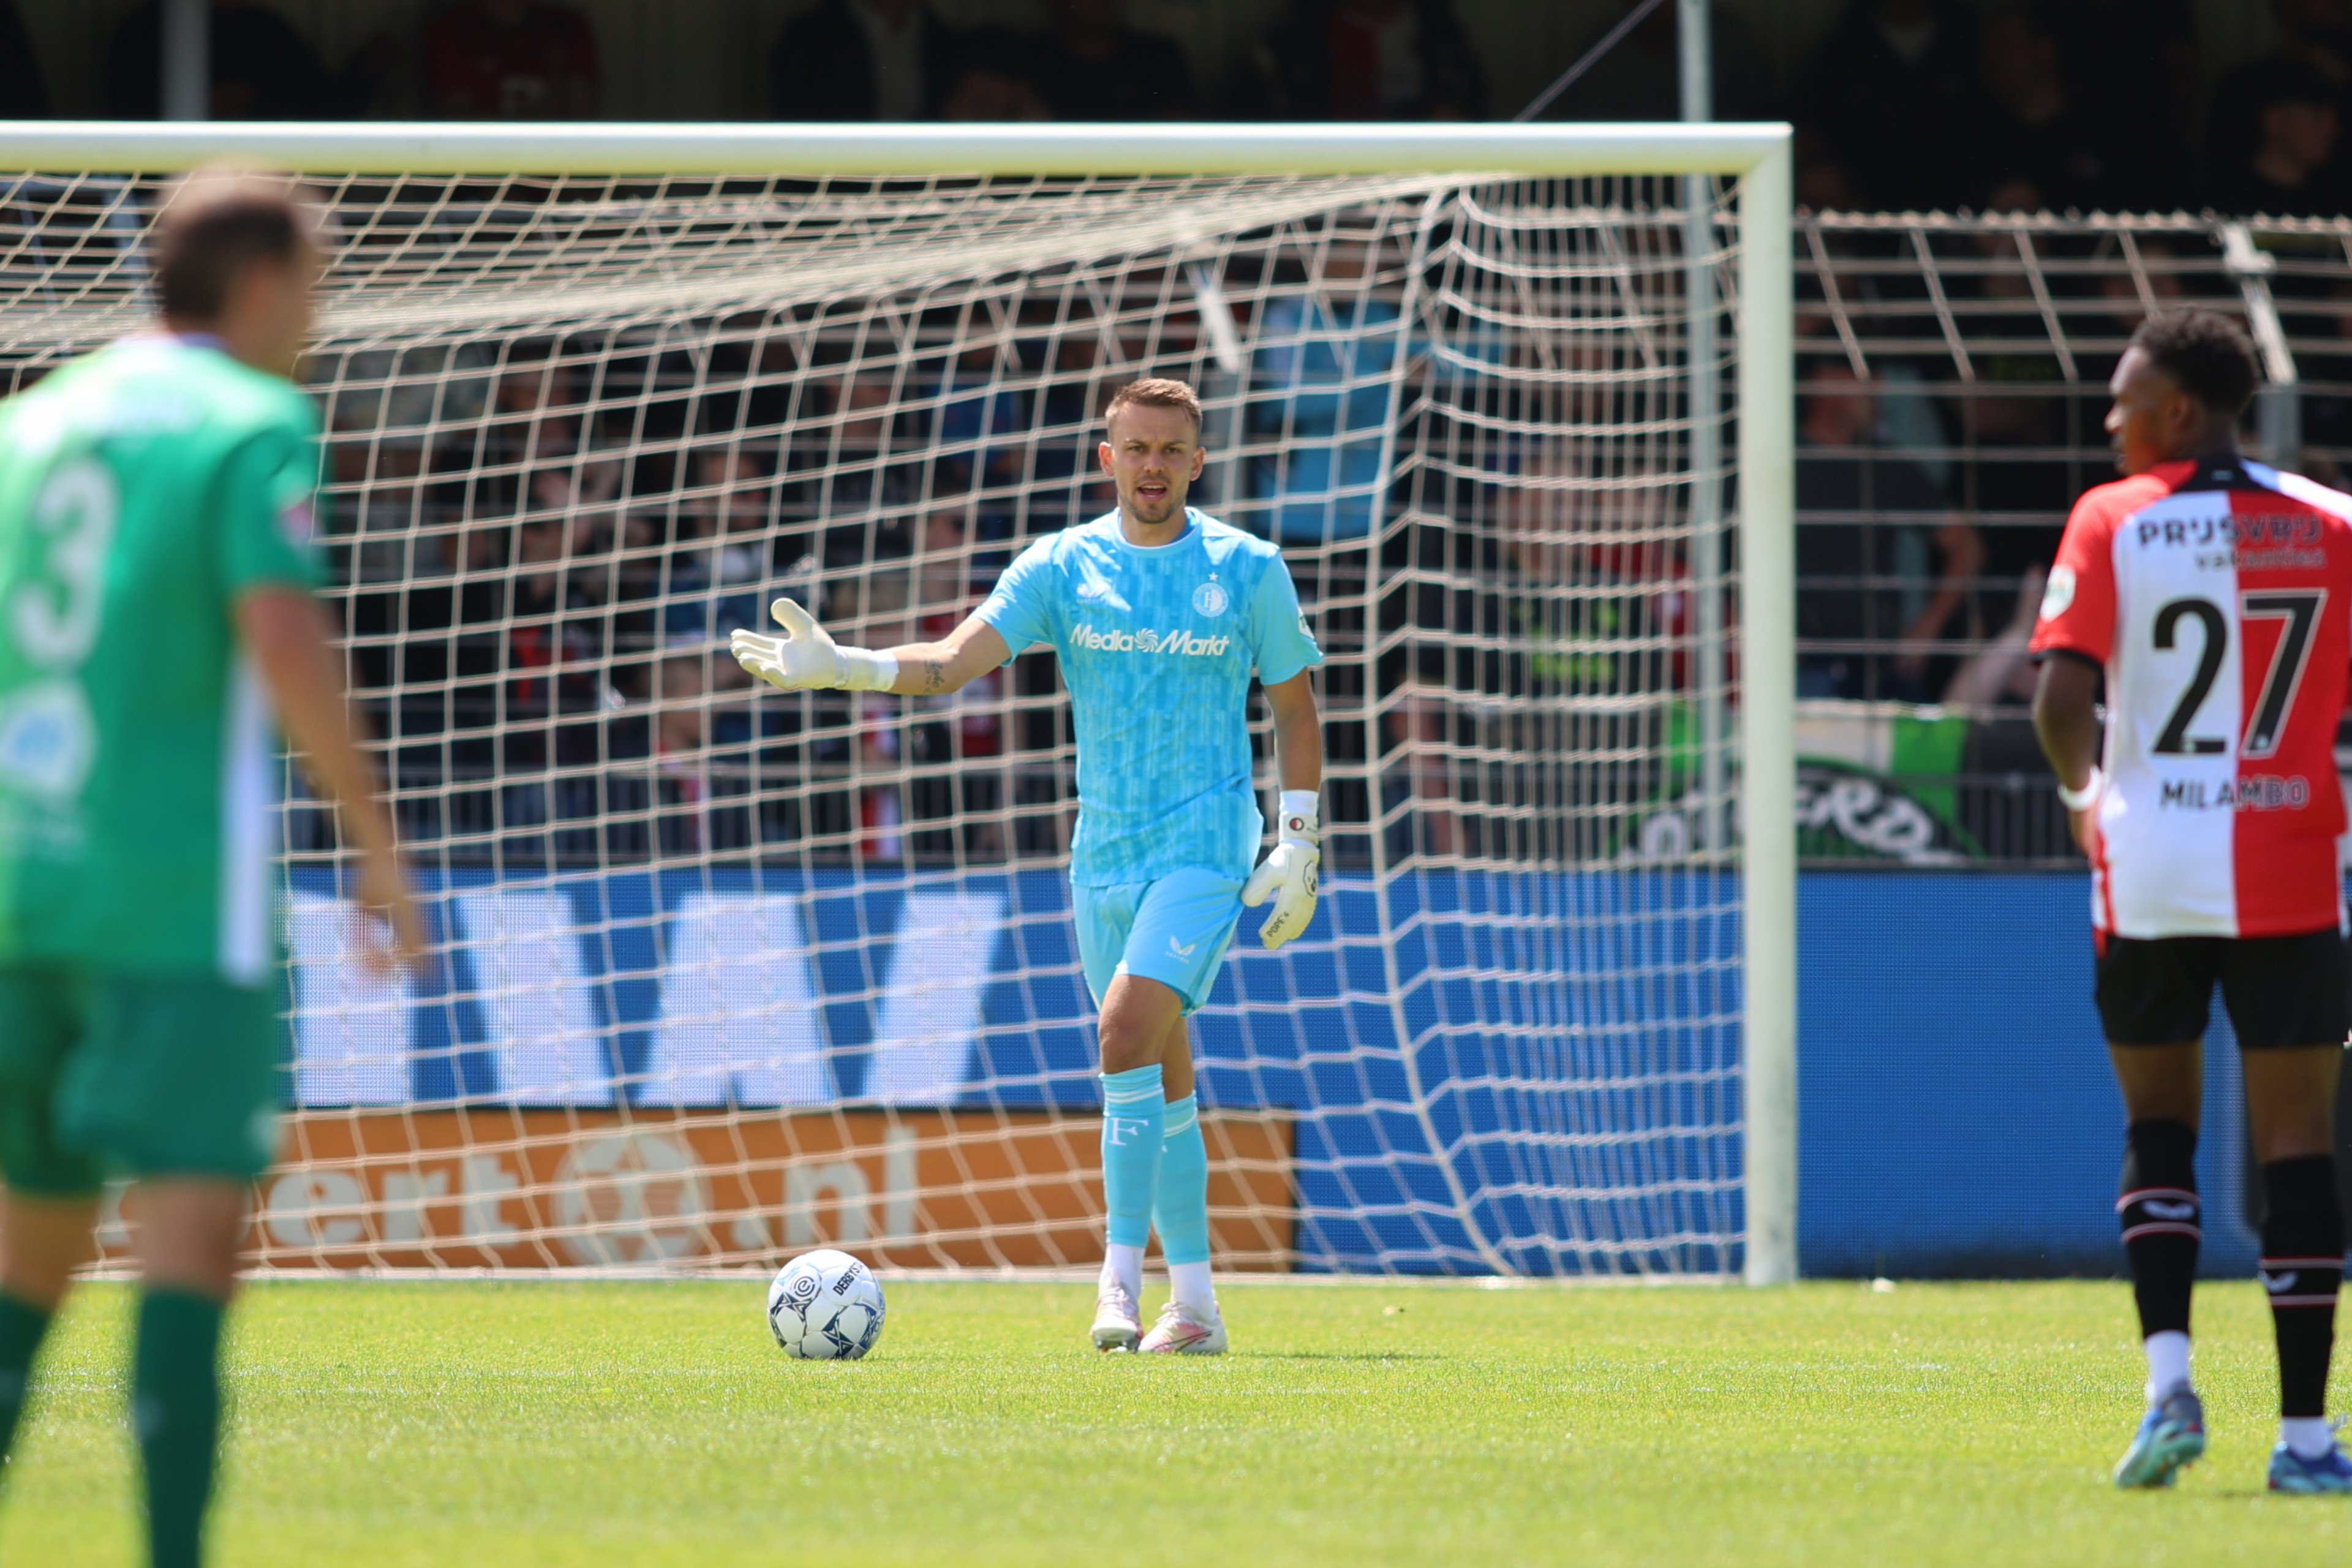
1209 598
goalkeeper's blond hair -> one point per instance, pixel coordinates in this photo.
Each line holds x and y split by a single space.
1155 392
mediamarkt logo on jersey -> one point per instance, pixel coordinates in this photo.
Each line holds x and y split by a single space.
1177 642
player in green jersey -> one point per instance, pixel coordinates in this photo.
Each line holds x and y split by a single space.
156 615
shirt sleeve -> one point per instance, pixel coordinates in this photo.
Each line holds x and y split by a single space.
1277 629
1021 606
267 523
2078 604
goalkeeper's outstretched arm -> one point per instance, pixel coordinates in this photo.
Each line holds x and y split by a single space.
804 657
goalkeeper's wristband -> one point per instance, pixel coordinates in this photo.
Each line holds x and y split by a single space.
1297 820
863 670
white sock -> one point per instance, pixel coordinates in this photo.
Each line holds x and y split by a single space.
1124 1265
1189 1283
2309 1436
2168 1364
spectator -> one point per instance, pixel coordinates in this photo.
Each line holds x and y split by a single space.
1090 68
1598 589
2287 174
1419 775
510 59
585 493
980 416
992 81
261 68
863 60
1371 59
1325 360
2039 135
2315 34
721 563
2014 413
2131 66
1867 519
23 94
879 720
680 746
524 659
1895 92
963 731
2003 671
1823 183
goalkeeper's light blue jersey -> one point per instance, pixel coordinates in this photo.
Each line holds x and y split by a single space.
1157 648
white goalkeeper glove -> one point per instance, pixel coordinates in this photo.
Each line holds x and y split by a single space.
1287 875
805 659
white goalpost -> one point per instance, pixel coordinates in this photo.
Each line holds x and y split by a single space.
720 973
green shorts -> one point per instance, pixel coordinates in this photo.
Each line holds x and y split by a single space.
105 1075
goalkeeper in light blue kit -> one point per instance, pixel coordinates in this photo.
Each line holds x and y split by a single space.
1160 616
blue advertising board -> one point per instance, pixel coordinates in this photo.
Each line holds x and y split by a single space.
1522 1071
1529 1072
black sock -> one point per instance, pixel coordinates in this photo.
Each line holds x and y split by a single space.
2161 1221
2303 1263
22 1324
175 1407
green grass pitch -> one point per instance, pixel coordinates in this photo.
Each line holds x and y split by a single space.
656 1423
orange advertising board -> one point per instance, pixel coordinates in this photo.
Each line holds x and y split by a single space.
532 1189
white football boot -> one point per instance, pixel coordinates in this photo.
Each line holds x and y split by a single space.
1179 1334
1117 1323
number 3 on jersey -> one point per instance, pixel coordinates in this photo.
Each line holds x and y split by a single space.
53 619
2298 607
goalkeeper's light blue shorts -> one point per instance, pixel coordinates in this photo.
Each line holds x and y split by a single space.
1175 931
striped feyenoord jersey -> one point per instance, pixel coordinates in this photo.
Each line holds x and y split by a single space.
2216 595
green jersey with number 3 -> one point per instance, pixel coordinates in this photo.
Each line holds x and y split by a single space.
143 490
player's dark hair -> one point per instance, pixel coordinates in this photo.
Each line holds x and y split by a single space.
1156 392
214 223
2206 355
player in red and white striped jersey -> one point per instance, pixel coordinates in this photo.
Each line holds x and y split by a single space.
2214 597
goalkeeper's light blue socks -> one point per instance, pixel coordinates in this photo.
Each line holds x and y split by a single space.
1180 1209
1134 1109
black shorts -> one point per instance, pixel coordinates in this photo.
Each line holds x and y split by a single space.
2280 990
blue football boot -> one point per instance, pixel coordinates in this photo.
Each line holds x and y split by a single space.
2171 1436
2331 1472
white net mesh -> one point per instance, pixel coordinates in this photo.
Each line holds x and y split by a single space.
721 973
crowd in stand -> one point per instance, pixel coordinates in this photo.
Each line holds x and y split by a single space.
2093 104
579 630
2099 105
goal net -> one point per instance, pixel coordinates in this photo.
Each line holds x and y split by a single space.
720 973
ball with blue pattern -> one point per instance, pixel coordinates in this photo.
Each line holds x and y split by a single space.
825 1306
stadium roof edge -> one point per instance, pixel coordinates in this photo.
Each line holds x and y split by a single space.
433 147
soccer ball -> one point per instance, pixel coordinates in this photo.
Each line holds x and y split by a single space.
825 1306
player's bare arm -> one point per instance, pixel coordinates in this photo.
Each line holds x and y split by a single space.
1298 732
2065 717
287 634
1289 875
806 658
